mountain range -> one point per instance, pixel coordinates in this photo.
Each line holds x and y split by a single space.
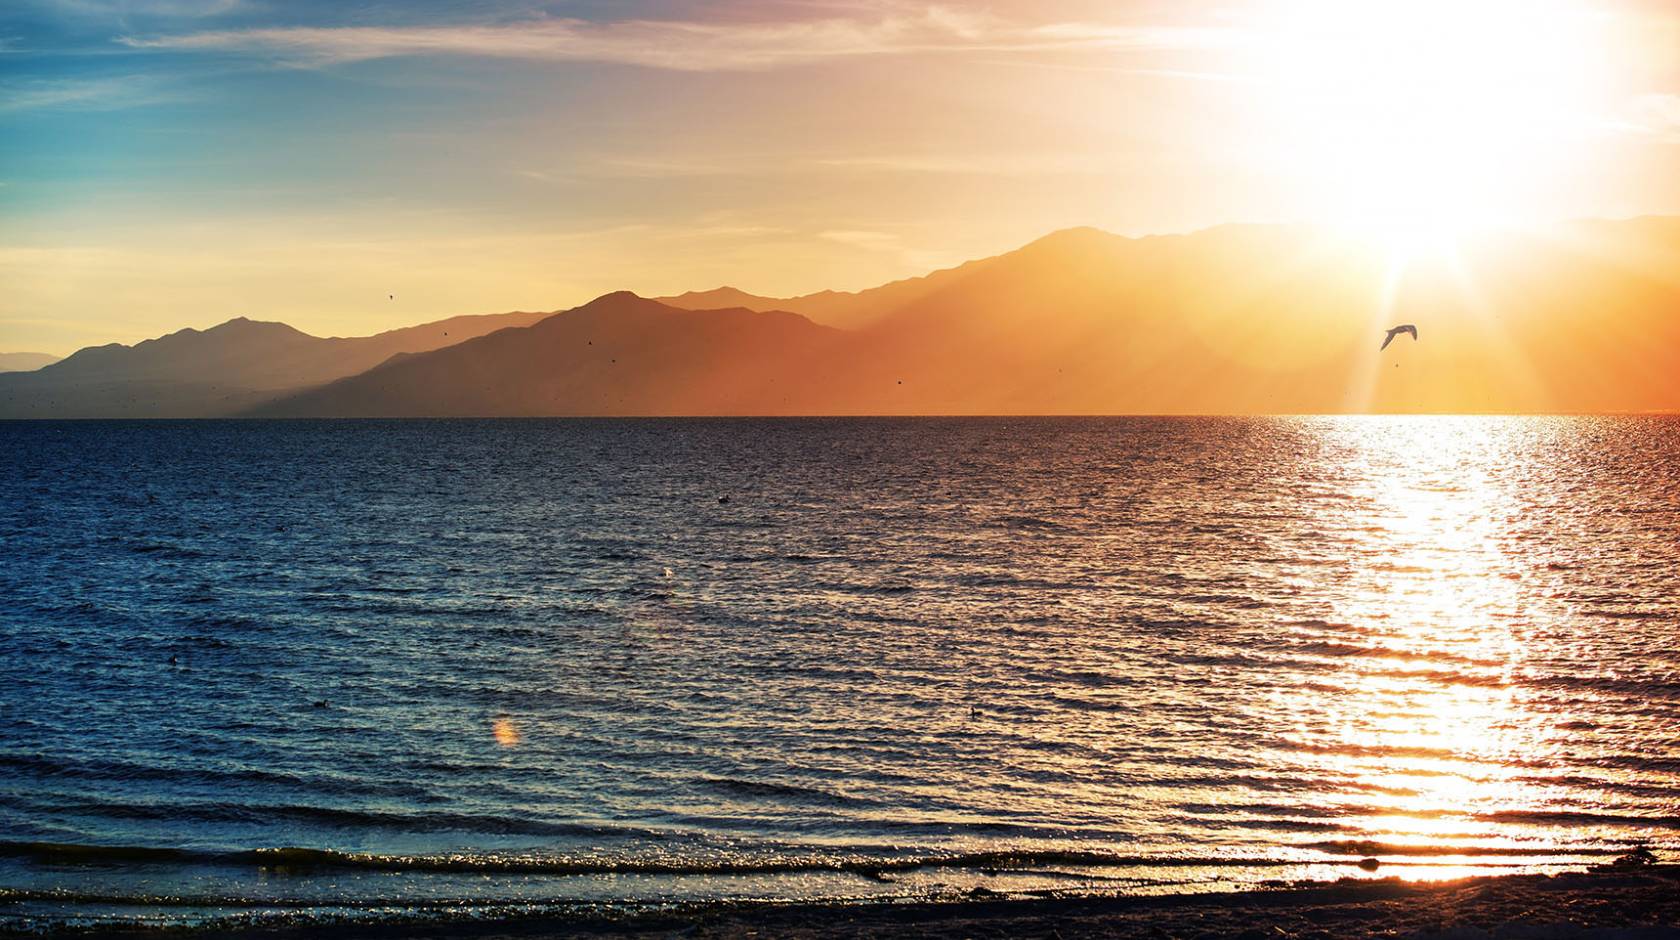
1237 319
220 371
847 310
616 355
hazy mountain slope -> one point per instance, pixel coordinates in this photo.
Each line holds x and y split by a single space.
719 298
1239 319
441 333
1246 319
841 309
25 361
617 355
196 373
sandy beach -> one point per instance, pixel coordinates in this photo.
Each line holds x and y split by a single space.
1642 903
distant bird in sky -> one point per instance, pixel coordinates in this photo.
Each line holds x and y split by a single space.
1402 328
391 296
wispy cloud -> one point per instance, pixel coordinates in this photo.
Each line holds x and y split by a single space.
157 8
638 168
861 238
890 244
1006 164
686 45
643 168
1657 115
82 94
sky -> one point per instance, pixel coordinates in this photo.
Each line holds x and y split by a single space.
349 167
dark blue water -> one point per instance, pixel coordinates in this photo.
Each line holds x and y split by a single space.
304 667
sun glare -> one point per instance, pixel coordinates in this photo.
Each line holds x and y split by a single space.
1416 121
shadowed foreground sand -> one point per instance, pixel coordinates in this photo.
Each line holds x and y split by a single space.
1641 904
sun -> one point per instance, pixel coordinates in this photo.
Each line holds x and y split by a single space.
1416 121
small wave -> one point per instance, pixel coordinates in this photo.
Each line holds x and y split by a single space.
1580 818
1641 762
1443 677
205 641
1055 679
164 550
298 858
1378 651
1392 752
1632 687
1268 825
235 901
340 818
47 766
1616 614
1233 660
1030 523
1670 792
1367 848
785 791
393 589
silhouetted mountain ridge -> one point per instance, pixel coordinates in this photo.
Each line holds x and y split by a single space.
619 354
1235 319
201 373
259 350
842 309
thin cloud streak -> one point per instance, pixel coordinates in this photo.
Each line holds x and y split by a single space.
687 45
1657 115
1001 165
87 95
125 8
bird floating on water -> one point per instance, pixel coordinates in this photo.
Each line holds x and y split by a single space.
1402 328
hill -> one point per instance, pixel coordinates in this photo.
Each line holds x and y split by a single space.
847 310
200 373
1280 319
617 355
1269 319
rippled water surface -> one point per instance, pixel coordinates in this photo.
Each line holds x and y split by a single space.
476 666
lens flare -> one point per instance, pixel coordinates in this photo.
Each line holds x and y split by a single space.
506 734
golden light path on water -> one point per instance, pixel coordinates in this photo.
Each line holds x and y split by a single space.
1436 744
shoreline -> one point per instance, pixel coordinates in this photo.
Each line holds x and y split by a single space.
1626 904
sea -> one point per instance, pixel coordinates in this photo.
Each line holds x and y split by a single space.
292 672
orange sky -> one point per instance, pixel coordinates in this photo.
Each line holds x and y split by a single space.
173 163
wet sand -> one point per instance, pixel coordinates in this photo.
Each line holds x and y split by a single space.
1625 905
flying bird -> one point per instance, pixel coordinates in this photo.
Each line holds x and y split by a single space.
1402 328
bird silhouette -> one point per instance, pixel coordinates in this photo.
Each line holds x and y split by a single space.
1402 328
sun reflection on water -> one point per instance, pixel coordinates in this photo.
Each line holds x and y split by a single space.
1435 726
